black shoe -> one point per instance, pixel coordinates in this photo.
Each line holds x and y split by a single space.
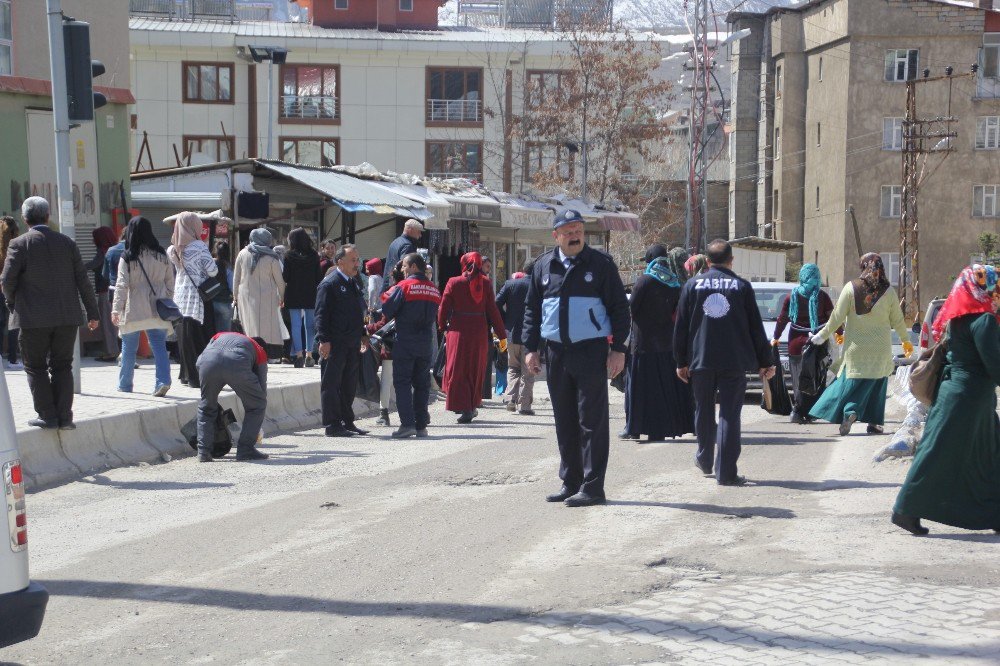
527 412
252 454
704 472
205 457
584 499
422 432
467 417
355 429
67 426
795 418
874 429
909 523
47 424
383 419
404 432
737 481
625 434
561 496
338 431
299 362
652 440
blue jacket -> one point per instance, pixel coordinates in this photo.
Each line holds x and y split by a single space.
510 302
398 248
718 325
111 259
585 302
340 310
413 303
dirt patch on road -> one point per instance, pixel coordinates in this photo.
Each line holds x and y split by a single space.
492 479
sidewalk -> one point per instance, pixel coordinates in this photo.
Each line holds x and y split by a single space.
119 429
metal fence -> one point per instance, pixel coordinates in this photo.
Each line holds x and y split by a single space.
454 110
201 10
309 106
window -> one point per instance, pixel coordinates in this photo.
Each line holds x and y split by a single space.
892 133
819 134
820 68
208 82
988 132
777 143
892 200
549 159
454 95
546 87
775 206
778 82
406 5
309 93
901 64
455 159
991 61
340 4
984 200
6 38
218 148
312 152
891 262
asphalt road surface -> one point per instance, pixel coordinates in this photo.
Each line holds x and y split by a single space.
442 551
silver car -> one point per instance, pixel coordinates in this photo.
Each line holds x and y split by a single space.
770 296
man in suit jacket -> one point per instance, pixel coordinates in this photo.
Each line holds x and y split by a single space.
45 280
520 381
399 248
340 328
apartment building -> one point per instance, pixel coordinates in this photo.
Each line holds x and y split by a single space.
819 99
99 149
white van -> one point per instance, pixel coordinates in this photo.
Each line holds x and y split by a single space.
22 602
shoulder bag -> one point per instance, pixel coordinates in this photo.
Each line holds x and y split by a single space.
926 372
166 309
209 288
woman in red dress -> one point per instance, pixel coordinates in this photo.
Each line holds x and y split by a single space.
468 309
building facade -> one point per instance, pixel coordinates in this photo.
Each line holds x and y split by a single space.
820 90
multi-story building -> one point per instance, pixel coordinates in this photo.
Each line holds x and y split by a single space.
819 99
99 149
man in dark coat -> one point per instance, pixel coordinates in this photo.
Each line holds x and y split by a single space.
414 305
340 328
576 301
520 381
718 338
44 280
234 360
399 248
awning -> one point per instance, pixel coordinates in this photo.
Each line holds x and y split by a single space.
619 221
525 215
437 205
473 208
770 244
344 190
179 201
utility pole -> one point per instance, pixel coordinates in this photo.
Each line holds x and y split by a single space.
921 137
701 107
60 121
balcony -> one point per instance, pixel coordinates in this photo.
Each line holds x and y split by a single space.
309 107
454 111
455 174
202 10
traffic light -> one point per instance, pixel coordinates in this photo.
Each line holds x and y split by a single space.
80 72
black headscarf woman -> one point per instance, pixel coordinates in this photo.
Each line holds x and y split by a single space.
138 237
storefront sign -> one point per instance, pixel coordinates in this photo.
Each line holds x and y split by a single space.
474 211
518 217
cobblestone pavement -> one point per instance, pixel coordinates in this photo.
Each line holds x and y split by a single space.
847 617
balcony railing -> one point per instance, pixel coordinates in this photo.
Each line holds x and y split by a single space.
455 174
201 10
454 110
311 107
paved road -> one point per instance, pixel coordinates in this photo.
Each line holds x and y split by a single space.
442 551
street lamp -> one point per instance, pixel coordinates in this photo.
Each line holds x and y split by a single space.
275 56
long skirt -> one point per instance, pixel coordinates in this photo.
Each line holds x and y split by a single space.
865 398
657 403
955 475
108 330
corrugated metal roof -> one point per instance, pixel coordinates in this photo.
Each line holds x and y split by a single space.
342 187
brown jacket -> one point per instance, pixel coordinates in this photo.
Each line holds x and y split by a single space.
45 280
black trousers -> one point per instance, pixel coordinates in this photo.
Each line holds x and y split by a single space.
730 386
48 361
578 387
339 383
190 344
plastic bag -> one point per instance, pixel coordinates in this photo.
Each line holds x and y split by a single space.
439 362
368 384
816 362
225 425
774 398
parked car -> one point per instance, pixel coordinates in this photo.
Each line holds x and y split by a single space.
22 602
933 308
770 296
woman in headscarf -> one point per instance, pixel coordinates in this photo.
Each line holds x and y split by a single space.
696 265
144 276
955 475
104 239
807 308
657 403
868 309
259 289
468 310
193 265
302 275
375 269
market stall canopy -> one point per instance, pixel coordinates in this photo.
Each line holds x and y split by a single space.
520 213
618 221
350 193
177 200
439 207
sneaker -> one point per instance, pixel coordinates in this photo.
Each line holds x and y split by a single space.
205 457
15 366
67 426
252 454
422 432
310 362
298 362
161 391
404 432
47 424
526 412
738 481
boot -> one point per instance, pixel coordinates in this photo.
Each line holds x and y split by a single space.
383 419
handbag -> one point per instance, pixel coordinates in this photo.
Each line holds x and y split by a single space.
209 288
166 309
926 372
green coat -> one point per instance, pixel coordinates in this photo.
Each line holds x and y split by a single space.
955 476
867 340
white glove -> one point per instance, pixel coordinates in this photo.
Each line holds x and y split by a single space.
817 339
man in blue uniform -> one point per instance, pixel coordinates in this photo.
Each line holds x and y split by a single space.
340 327
576 302
413 303
718 338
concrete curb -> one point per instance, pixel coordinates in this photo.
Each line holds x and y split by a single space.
51 457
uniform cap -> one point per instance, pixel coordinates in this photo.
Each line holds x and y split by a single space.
567 217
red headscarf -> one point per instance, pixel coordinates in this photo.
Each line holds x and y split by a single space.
472 269
374 266
969 295
104 238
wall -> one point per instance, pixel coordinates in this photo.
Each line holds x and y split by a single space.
745 123
372 13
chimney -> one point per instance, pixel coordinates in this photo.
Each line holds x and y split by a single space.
387 18
986 4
